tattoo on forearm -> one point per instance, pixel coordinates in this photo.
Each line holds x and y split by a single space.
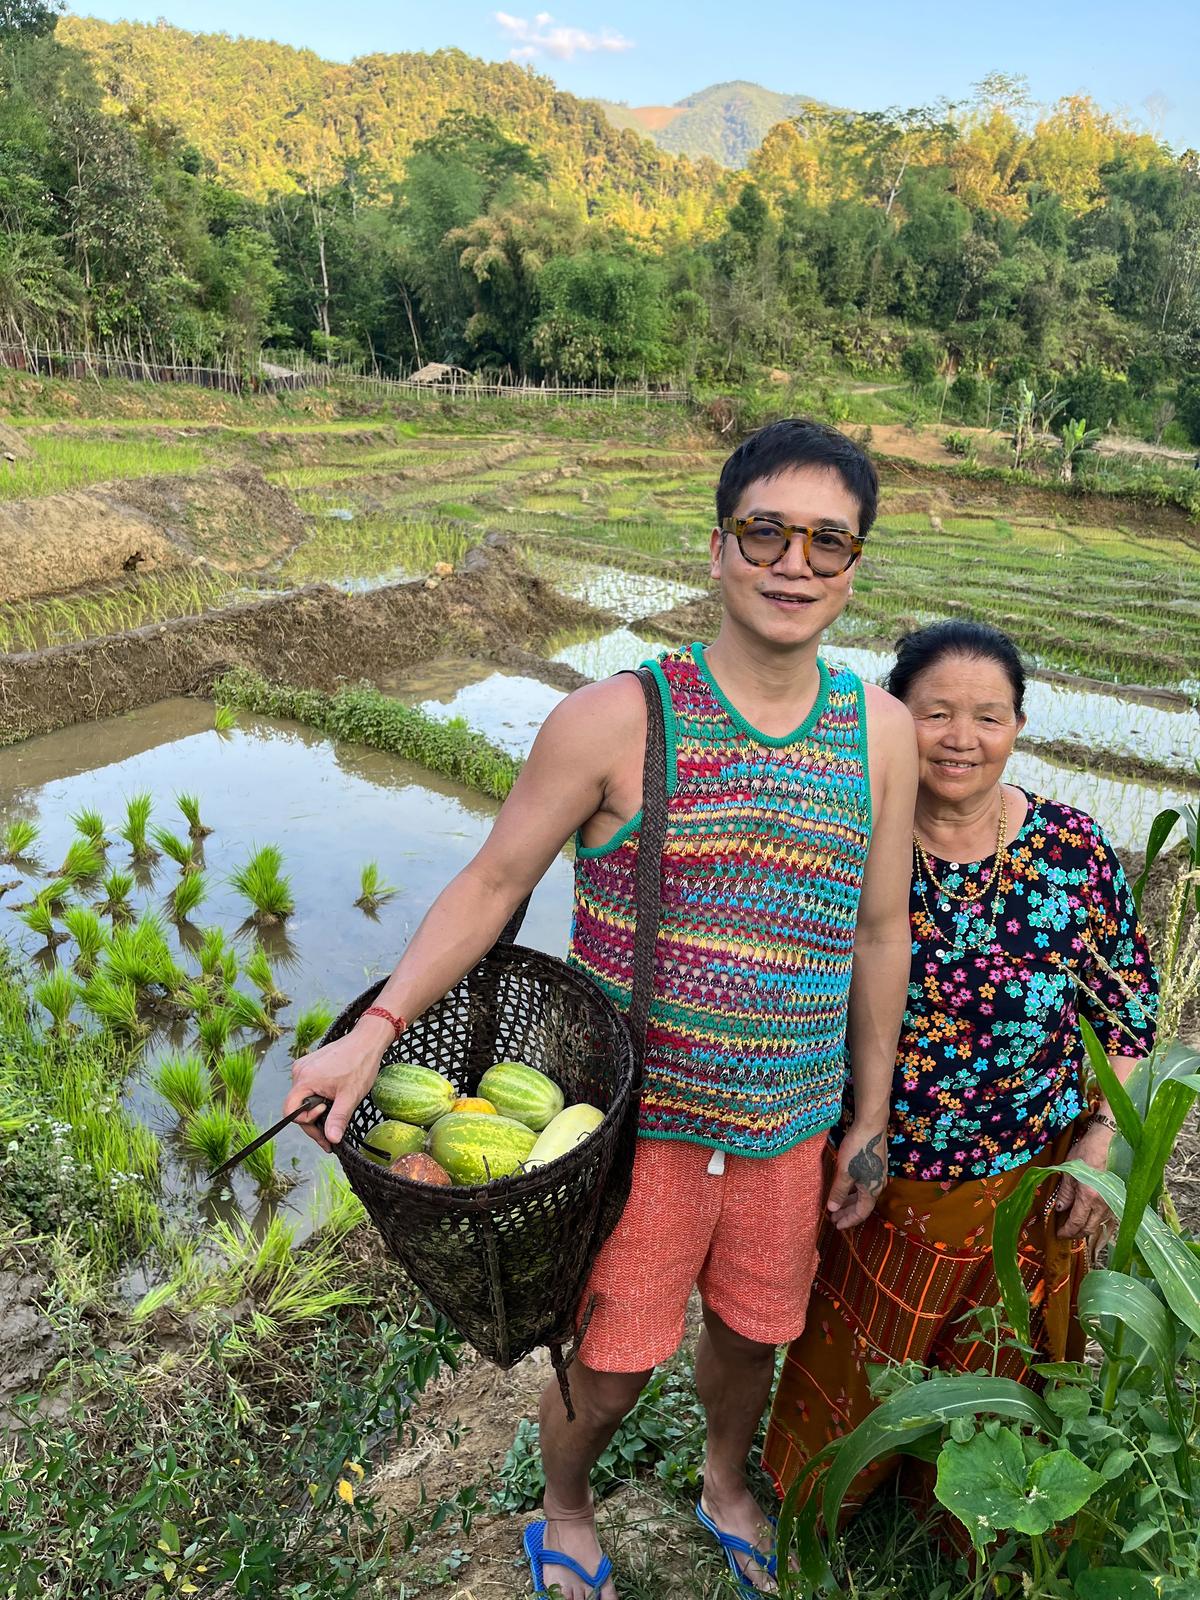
866 1168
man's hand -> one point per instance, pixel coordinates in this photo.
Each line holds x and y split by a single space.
860 1176
1082 1213
343 1072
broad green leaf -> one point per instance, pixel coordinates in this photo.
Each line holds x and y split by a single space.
1115 1463
1127 1119
1160 831
1059 1484
1114 1583
982 1482
1139 1536
1129 1302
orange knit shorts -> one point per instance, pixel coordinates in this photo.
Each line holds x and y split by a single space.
746 1237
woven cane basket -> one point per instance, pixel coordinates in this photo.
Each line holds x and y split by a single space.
506 1262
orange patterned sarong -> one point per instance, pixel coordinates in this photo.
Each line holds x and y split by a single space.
896 1288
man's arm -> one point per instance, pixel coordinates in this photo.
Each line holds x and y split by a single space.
566 780
882 955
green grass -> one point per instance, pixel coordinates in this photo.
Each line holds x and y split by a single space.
61 462
373 891
310 1026
18 840
90 936
133 829
189 805
111 608
236 1070
57 992
374 545
82 862
187 894
210 1135
185 1083
181 851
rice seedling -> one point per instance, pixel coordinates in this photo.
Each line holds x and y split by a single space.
181 852
310 1025
90 826
59 463
374 892
187 894
141 955
88 932
236 1071
82 862
57 992
56 893
260 1163
251 1014
113 1001
214 1029
195 997
218 959
31 625
263 883
210 1135
189 804
257 968
225 719
17 840
133 829
185 1084
38 917
118 886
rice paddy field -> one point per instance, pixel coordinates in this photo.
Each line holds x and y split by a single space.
198 870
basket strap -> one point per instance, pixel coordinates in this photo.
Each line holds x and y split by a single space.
648 873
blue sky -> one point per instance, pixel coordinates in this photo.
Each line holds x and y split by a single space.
1143 58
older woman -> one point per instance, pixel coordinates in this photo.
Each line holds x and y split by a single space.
1022 921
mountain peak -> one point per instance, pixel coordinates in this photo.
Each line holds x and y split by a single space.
726 121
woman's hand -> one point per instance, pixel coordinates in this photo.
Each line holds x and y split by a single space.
343 1072
860 1176
1082 1213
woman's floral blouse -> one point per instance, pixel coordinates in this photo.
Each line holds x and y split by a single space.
990 1062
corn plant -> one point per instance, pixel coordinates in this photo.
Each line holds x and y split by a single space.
90 826
189 804
118 886
57 992
133 829
210 1135
181 852
236 1070
263 883
310 1026
374 892
82 862
185 1084
257 968
88 932
18 840
187 895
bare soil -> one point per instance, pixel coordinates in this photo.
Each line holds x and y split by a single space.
315 638
234 520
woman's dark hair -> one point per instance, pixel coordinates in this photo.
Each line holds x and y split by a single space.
917 652
799 442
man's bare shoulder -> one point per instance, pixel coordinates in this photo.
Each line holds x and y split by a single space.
601 719
889 725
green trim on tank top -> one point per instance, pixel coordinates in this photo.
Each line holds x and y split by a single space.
748 728
628 829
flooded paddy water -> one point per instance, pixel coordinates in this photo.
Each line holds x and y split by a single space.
330 806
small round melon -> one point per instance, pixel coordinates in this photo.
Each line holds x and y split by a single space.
396 1139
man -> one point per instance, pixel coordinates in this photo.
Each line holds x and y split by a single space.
784 942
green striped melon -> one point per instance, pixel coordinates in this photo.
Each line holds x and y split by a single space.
413 1094
395 1139
475 1147
522 1093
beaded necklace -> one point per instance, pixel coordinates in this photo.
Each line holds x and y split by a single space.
960 940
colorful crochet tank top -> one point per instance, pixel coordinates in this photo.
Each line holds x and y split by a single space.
762 868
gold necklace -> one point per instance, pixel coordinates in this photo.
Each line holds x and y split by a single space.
959 942
923 858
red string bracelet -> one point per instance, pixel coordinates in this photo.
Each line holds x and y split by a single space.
398 1023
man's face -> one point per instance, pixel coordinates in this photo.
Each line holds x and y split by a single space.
786 604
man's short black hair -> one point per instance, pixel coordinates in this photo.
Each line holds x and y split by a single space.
799 442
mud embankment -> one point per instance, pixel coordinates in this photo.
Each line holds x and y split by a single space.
315 638
235 520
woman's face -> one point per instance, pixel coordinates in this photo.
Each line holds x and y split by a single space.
966 726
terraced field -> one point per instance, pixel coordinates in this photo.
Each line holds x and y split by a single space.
385 608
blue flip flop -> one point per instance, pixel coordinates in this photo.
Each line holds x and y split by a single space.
734 1547
539 1557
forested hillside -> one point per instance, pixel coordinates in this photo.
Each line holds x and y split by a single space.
726 122
213 196
272 118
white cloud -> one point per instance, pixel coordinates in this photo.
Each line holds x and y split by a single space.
544 36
